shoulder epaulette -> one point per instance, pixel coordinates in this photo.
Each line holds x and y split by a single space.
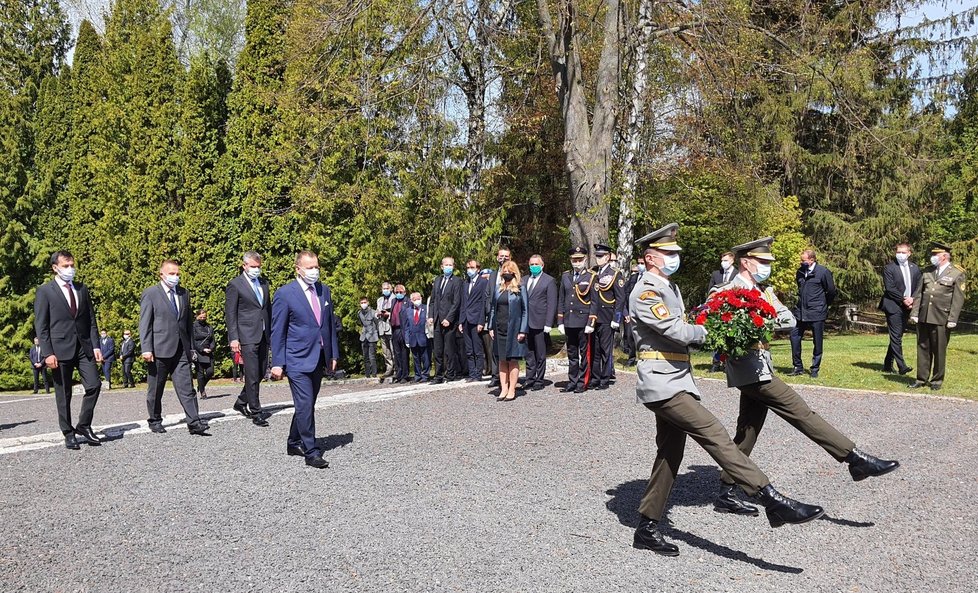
960 269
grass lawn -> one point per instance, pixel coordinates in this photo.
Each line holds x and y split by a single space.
855 361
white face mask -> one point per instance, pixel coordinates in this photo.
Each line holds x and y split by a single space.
364 306
763 272
725 264
579 265
253 273
416 303
66 274
171 280
670 264
902 257
310 275
935 260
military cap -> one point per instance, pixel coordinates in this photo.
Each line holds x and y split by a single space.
601 249
936 247
761 249
577 250
663 239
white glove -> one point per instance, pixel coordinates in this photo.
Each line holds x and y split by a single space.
914 319
615 325
589 329
560 328
951 324
547 329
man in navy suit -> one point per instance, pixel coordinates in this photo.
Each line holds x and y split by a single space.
64 322
107 345
413 320
901 278
37 364
472 319
446 300
541 294
304 341
816 292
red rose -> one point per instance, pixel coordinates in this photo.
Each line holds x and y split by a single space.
701 318
726 317
757 319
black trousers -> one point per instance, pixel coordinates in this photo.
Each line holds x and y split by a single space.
177 368
205 372
90 380
444 352
127 372
38 373
604 350
492 362
896 323
628 339
578 357
254 359
369 351
537 342
797 333
400 353
475 354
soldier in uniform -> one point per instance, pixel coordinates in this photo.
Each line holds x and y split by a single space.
760 390
609 290
576 314
665 386
937 304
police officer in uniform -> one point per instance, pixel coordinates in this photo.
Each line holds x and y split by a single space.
665 386
576 315
937 304
760 389
609 290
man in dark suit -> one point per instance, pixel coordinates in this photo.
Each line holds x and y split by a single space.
816 292
248 311
37 364
719 278
127 354
609 292
472 319
446 301
165 320
64 321
107 345
577 311
541 294
304 341
413 320
399 348
901 279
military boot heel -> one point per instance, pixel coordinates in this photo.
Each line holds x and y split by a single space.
780 509
727 502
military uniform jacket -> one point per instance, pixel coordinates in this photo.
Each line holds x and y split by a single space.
656 308
609 288
756 366
576 302
940 296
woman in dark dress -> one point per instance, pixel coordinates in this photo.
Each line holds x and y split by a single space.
508 327
203 352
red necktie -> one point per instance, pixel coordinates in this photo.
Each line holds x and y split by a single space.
72 304
417 315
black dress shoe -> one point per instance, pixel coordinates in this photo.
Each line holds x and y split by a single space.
71 443
259 420
727 502
905 371
780 509
88 436
242 408
863 465
437 381
569 388
317 462
157 428
580 389
796 372
918 384
814 374
297 451
198 429
537 386
935 386
647 537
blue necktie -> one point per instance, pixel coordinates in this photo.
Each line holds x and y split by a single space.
257 287
173 303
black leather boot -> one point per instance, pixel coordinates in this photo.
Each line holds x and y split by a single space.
780 509
647 537
727 502
863 465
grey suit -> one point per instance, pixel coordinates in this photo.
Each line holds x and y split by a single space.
167 335
249 321
542 310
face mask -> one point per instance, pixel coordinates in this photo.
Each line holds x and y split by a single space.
416 303
601 260
399 296
311 276
385 292
66 274
447 270
171 280
472 273
508 277
763 272
253 273
105 335
670 264
935 260
725 265
502 259
126 336
364 306
578 265
902 257
535 269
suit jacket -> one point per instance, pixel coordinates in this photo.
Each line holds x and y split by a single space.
385 305
128 349
474 307
160 330
940 296
414 334
894 285
247 320
816 292
297 340
368 325
108 348
57 331
716 279
35 355
445 304
542 302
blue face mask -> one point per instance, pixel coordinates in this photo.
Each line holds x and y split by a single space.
670 264
399 296
447 270
386 292
472 273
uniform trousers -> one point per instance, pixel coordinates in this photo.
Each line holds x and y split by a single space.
578 365
932 341
604 349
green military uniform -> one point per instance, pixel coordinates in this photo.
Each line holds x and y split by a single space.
666 387
937 304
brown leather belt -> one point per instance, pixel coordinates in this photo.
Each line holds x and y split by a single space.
657 355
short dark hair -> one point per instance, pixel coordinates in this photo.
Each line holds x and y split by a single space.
58 255
167 262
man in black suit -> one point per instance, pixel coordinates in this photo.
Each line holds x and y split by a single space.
901 278
64 321
107 345
472 319
541 294
721 277
446 301
165 320
37 364
816 292
248 312
127 354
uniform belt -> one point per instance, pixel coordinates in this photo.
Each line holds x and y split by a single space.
657 355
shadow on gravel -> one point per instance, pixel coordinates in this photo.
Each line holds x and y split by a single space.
13 424
114 433
276 408
334 441
729 553
847 522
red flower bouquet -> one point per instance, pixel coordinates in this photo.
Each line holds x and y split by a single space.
736 320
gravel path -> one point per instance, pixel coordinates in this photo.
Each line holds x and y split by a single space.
451 491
